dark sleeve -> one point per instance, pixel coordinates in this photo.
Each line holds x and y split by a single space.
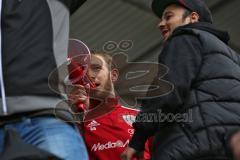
182 56
73 5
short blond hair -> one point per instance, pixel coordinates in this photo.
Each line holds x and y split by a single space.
107 58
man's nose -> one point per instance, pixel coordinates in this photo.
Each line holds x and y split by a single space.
91 76
161 24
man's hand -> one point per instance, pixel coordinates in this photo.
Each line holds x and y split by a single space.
79 95
128 153
235 145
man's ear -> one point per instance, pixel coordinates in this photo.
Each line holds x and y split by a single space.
194 17
114 75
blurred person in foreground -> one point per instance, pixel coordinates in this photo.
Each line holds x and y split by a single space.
34 38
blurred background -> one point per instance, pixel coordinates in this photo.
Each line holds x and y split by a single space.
99 21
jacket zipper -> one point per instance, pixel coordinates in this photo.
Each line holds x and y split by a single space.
4 105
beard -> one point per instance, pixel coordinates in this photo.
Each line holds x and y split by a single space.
105 91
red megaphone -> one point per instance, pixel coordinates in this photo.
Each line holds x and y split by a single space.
79 60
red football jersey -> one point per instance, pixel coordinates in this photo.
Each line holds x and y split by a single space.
107 136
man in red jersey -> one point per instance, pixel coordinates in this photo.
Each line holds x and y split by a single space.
107 125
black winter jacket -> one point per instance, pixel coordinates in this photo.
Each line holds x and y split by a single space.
205 73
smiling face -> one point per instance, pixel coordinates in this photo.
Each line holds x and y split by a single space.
103 76
173 17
